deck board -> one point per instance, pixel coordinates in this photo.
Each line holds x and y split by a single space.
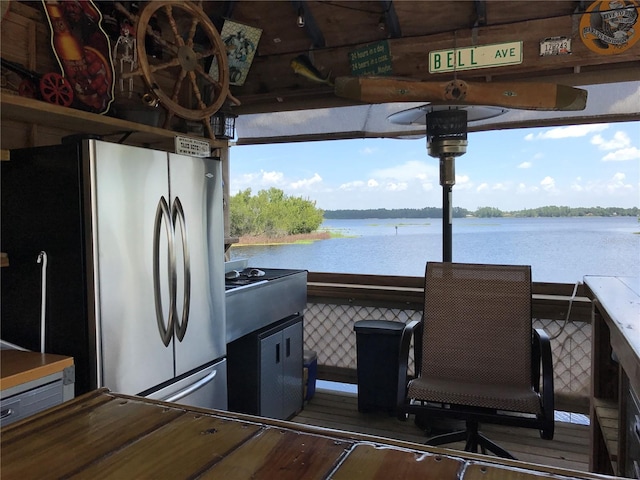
339 410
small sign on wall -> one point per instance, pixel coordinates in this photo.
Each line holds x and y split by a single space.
610 27
555 46
373 59
241 42
192 146
481 56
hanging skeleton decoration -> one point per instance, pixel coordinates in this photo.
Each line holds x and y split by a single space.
125 52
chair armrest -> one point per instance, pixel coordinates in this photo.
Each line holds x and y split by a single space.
542 354
411 329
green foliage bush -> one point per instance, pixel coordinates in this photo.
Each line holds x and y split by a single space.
272 213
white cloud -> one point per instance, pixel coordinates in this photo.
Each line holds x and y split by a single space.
274 178
571 131
620 140
617 185
500 187
463 182
257 181
396 187
368 151
306 182
482 187
576 185
548 184
352 185
407 172
524 188
400 178
622 155
525 165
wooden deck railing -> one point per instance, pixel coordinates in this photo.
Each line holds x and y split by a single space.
336 301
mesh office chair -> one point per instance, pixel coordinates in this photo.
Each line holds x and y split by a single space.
477 357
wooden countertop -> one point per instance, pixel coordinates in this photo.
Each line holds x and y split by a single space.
18 367
107 435
618 300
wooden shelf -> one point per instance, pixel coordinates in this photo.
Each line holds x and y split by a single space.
36 112
608 414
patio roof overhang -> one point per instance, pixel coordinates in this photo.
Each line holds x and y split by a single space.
609 102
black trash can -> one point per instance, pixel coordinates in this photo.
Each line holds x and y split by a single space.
378 349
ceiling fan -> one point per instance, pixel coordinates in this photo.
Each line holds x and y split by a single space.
518 95
447 113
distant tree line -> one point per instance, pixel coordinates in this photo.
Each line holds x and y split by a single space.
483 212
272 213
427 212
553 211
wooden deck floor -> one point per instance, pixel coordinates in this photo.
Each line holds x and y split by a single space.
568 449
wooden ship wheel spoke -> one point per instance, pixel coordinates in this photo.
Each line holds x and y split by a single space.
178 77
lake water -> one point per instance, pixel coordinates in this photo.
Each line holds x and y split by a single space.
560 250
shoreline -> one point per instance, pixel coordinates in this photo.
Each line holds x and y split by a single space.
285 239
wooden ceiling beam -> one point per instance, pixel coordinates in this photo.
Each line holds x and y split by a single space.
481 13
273 86
392 24
228 7
310 26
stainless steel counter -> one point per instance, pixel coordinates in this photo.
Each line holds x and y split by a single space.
254 306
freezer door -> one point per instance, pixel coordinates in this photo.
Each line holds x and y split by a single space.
128 184
196 202
206 388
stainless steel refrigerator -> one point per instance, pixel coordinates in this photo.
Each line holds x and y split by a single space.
134 274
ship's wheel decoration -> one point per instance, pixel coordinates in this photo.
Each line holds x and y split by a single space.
176 73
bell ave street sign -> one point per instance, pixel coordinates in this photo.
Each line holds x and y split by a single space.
481 56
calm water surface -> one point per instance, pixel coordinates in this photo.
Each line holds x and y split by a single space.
559 250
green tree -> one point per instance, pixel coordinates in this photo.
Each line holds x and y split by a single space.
488 212
272 213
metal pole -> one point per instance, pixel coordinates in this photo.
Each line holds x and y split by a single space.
447 180
447 235
446 140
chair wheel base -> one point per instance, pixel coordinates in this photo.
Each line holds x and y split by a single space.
473 439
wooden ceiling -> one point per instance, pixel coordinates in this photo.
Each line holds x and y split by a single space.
334 29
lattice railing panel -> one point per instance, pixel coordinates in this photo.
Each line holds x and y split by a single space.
571 351
329 332
329 329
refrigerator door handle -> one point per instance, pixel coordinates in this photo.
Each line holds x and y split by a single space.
162 213
177 213
192 388
42 258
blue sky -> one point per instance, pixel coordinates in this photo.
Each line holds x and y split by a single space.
578 165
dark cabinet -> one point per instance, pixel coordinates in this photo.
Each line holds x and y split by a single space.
615 373
265 370
632 435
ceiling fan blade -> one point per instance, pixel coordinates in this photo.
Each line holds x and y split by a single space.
520 95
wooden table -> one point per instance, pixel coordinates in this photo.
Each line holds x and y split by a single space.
106 435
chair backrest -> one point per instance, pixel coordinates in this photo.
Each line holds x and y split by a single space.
477 323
